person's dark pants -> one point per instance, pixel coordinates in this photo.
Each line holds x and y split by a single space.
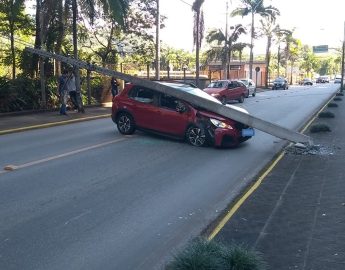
77 101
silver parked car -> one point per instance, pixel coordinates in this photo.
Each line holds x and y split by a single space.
250 86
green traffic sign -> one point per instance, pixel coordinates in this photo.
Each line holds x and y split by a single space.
320 49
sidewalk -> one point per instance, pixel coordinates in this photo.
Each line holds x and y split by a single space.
296 217
15 122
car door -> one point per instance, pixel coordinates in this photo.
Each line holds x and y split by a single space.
234 90
170 119
144 107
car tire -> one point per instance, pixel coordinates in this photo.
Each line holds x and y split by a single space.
254 93
241 99
223 100
125 123
247 95
196 136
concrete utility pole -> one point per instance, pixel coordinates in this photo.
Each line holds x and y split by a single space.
158 47
342 63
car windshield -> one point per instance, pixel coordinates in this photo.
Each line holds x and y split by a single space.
218 84
279 80
246 82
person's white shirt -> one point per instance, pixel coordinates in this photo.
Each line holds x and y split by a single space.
71 84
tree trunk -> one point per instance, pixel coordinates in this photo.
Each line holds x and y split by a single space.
75 43
13 52
197 60
60 35
268 59
38 44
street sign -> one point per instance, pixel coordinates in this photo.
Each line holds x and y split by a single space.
257 69
320 49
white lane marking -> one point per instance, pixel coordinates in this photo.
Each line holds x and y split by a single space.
77 217
9 168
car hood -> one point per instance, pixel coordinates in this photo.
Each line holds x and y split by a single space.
213 90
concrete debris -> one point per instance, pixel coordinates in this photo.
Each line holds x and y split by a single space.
301 149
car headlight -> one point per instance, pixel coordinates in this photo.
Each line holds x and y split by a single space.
214 95
220 124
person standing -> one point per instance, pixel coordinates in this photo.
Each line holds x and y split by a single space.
63 92
114 86
72 90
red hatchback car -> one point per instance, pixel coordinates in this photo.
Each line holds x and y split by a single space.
137 107
225 90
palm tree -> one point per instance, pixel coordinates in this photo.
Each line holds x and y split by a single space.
281 35
228 44
198 32
268 29
253 7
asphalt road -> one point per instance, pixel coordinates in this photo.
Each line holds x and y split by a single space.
85 197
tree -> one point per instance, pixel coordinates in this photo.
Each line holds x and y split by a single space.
309 62
281 35
14 21
198 32
268 29
227 44
253 7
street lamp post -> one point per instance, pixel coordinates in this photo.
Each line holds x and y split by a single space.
184 72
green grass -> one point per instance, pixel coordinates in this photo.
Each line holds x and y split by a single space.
332 104
337 99
319 128
326 115
201 254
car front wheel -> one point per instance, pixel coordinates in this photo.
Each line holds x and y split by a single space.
196 136
125 124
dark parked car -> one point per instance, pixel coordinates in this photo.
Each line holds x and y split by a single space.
226 90
137 107
306 81
280 83
322 79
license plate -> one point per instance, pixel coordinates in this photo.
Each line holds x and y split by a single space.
248 132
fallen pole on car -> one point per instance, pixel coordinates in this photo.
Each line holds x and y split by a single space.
210 105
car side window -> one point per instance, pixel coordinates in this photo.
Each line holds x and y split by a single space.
142 94
168 102
232 85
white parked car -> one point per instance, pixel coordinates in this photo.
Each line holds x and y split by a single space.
250 86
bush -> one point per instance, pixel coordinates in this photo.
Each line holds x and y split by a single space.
319 128
332 104
326 115
339 94
201 254
337 99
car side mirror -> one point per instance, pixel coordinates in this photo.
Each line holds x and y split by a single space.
180 107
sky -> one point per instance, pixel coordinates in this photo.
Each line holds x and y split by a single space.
315 22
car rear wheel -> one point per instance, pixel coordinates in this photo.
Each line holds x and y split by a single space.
195 136
125 124
241 99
